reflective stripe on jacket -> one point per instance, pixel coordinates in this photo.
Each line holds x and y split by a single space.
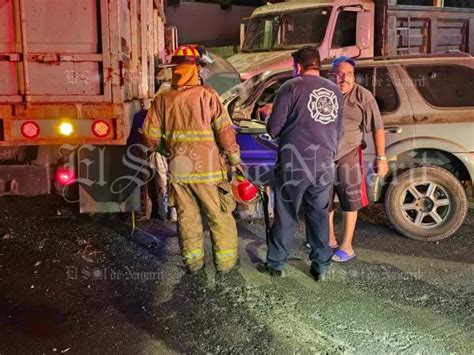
192 128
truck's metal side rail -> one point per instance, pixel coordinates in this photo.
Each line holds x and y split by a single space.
61 53
104 23
422 30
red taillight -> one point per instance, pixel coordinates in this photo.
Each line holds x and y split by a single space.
65 175
30 129
100 128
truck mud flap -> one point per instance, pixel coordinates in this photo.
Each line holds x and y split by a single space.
111 179
24 180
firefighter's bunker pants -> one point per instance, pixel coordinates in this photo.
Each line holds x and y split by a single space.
217 203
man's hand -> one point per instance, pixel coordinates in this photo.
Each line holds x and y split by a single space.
381 167
239 169
265 111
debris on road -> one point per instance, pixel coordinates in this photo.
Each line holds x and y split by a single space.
87 251
400 294
83 242
42 243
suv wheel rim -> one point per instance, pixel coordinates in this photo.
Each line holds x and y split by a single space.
425 204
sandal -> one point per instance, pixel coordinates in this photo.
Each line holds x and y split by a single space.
340 256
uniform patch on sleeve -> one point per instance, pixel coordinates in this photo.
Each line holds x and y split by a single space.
323 105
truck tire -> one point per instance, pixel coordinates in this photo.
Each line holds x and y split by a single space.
426 203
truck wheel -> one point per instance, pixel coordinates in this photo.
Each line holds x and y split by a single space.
426 203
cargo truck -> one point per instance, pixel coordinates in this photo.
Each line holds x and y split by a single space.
355 28
73 75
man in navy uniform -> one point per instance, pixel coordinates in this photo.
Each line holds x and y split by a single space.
307 119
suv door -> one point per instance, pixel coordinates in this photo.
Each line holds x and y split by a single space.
427 202
444 103
396 110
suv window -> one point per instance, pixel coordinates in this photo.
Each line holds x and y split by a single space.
345 31
444 85
364 77
385 93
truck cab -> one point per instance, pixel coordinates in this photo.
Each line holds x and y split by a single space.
275 30
355 28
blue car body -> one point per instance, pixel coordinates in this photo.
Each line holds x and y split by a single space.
259 157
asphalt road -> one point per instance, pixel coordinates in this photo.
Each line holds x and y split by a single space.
71 285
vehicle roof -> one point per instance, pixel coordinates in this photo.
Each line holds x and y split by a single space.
454 58
294 5
301 4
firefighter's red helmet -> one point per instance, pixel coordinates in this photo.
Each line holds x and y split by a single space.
186 55
243 190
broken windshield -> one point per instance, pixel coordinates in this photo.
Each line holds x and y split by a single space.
287 30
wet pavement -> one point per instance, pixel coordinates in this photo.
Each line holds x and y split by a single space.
74 285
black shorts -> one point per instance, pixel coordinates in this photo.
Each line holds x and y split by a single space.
349 182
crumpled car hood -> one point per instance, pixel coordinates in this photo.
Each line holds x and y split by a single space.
250 64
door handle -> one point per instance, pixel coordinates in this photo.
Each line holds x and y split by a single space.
394 130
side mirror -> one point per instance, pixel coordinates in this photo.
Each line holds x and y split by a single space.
171 38
364 30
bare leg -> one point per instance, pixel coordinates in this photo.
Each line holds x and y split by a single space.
350 220
332 233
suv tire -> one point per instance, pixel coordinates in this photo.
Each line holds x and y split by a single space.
426 203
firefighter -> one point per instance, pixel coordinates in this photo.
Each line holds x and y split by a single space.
189 125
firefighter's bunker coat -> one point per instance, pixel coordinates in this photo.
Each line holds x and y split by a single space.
190 126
